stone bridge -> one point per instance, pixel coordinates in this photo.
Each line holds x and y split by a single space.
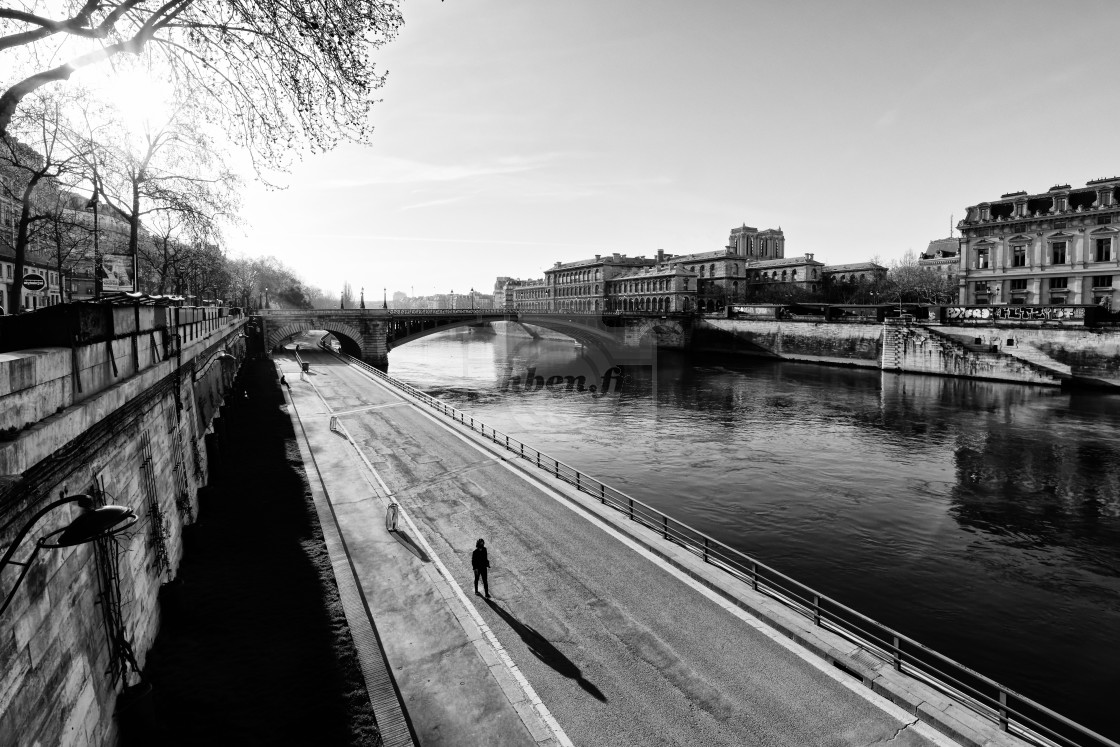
370 334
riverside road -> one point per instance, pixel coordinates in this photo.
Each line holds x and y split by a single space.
619 649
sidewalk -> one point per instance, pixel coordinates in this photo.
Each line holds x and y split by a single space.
456 683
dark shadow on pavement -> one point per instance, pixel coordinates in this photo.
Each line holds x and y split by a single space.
545 651
413 548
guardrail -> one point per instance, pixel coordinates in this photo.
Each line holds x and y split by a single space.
1013 712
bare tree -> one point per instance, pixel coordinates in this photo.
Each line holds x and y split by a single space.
910 282
48 155
67 235
273 72
173 171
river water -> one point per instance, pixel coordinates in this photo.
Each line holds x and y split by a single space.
981 519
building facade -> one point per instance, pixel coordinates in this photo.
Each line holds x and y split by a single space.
1057 247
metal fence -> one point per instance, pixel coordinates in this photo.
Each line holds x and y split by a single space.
1013 712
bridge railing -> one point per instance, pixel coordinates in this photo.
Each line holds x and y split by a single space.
1012 712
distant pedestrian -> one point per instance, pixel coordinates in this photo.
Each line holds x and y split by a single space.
285 381
480 563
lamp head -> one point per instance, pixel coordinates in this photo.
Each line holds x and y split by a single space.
91 525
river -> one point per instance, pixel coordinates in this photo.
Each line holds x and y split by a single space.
981 519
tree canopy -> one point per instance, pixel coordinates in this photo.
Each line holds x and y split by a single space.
274 73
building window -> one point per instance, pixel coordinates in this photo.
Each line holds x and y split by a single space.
1058 252
1102 281
1018 256
982 255
980 289
1059 283
1104 220
1019 284
1103 250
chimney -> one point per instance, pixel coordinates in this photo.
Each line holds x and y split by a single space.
596 257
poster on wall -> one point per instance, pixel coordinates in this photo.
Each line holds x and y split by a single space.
116 272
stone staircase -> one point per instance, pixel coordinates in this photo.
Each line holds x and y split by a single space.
921 349
1034 359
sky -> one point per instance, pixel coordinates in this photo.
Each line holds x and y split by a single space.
513 134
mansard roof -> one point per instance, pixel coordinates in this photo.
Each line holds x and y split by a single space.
783 262
856 267
942 248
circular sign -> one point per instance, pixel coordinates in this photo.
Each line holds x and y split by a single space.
33 282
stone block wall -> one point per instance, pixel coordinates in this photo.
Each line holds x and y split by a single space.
139 443
817 342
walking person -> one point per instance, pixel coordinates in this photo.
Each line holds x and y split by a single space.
480 563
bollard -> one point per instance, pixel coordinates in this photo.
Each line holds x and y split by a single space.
391 516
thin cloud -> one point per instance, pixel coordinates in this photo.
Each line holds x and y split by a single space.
387 170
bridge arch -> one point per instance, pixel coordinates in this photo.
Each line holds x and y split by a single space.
349 338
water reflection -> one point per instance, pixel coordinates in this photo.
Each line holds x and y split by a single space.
980 518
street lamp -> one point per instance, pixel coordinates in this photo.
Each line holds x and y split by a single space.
91 525
384 299
97 269
472 299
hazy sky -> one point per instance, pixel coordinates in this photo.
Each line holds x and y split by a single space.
516 133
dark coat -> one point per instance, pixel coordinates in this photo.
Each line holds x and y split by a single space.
479 559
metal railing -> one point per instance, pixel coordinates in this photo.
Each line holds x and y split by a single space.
1013 712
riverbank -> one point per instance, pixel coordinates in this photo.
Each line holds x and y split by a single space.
254 646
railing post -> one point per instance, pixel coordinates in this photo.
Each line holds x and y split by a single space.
1003 722
507 443
705 549
665 526
816 609
538 460
578 486
754 576
602 493
556 468
631 509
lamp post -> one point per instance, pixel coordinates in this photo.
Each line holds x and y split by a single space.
94 199
472 299
92 525
384 298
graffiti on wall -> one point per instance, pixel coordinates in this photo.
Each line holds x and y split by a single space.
1016 313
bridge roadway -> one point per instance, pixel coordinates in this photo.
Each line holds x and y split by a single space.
620 648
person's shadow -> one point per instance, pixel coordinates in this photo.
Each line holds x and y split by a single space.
545 651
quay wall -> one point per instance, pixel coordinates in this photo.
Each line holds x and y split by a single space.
1043 354
133 419
850 344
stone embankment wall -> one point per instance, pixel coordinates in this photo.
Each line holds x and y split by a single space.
131 419
837 343
1050 355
